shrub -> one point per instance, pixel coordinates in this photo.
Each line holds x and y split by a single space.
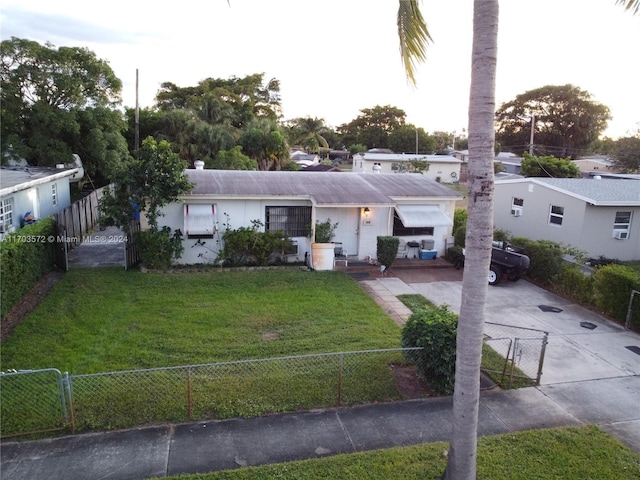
459 219
24 258
573 282
325 231
387 249
159 247
248 246
546 258
612 285
434 329
459 236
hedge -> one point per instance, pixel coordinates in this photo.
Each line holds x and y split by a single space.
25 257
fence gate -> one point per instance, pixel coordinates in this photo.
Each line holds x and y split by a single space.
131 250
60 248
520 354
32 401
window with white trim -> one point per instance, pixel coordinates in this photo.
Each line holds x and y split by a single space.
622 225
54 194
556 215
517 205
199 220
6 215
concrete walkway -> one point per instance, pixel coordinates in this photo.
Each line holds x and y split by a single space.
590 377
219 445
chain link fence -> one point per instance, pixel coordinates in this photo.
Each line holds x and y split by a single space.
245 388
513 356
32 401
45 400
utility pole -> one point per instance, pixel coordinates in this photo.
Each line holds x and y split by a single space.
416 141
136 127
533 127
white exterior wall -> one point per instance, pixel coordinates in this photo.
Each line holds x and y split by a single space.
588 228
357 233
444 172
39 200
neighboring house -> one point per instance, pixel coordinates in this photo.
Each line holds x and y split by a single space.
304 159
365 206
599 216
595 165
34 193
442 168
510 162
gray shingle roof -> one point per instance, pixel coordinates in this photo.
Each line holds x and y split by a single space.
598 192
330 188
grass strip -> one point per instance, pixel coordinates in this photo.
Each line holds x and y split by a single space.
574 453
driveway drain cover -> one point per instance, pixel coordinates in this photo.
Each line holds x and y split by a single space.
588 325
634 349
547 308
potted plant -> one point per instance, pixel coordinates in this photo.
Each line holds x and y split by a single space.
322 250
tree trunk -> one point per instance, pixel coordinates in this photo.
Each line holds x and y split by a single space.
461 463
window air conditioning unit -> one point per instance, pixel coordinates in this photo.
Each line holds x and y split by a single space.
620 234
516 212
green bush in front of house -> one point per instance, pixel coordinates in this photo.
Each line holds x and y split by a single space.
573 282
433 329
158 247
249 246
25 257
546 258
387 250
612 286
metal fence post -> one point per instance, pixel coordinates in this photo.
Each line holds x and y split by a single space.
543 349
627 322
72 416
189 411
340 368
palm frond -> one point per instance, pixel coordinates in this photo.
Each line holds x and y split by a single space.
633 5
414 36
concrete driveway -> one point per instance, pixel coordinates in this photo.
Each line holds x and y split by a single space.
574 353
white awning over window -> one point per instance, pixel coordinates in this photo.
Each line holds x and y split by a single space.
199 219
415 216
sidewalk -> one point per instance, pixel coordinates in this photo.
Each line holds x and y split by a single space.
218 445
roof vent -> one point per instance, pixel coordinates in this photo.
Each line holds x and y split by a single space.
377 168
199 164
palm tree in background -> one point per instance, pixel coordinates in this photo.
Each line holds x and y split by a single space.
308 133
414 38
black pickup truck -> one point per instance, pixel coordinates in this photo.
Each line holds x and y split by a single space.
507 261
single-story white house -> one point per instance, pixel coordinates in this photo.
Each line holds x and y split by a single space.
597 215
442 168
31 193
365 206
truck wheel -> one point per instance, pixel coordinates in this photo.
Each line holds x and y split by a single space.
495 275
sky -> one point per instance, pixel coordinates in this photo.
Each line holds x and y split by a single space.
334 58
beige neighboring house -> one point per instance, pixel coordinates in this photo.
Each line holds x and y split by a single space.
594 165
598 215
442 168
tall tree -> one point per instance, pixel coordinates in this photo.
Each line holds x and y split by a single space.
60 101
309 133
264 142
626 154
411 139
461 463
373 126
548 166
566 121
234 101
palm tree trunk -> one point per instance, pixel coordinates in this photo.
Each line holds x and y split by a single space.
461 463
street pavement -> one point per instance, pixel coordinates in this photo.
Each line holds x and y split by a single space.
589 377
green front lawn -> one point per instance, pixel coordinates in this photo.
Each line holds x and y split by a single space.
100 320
110 320
575 453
